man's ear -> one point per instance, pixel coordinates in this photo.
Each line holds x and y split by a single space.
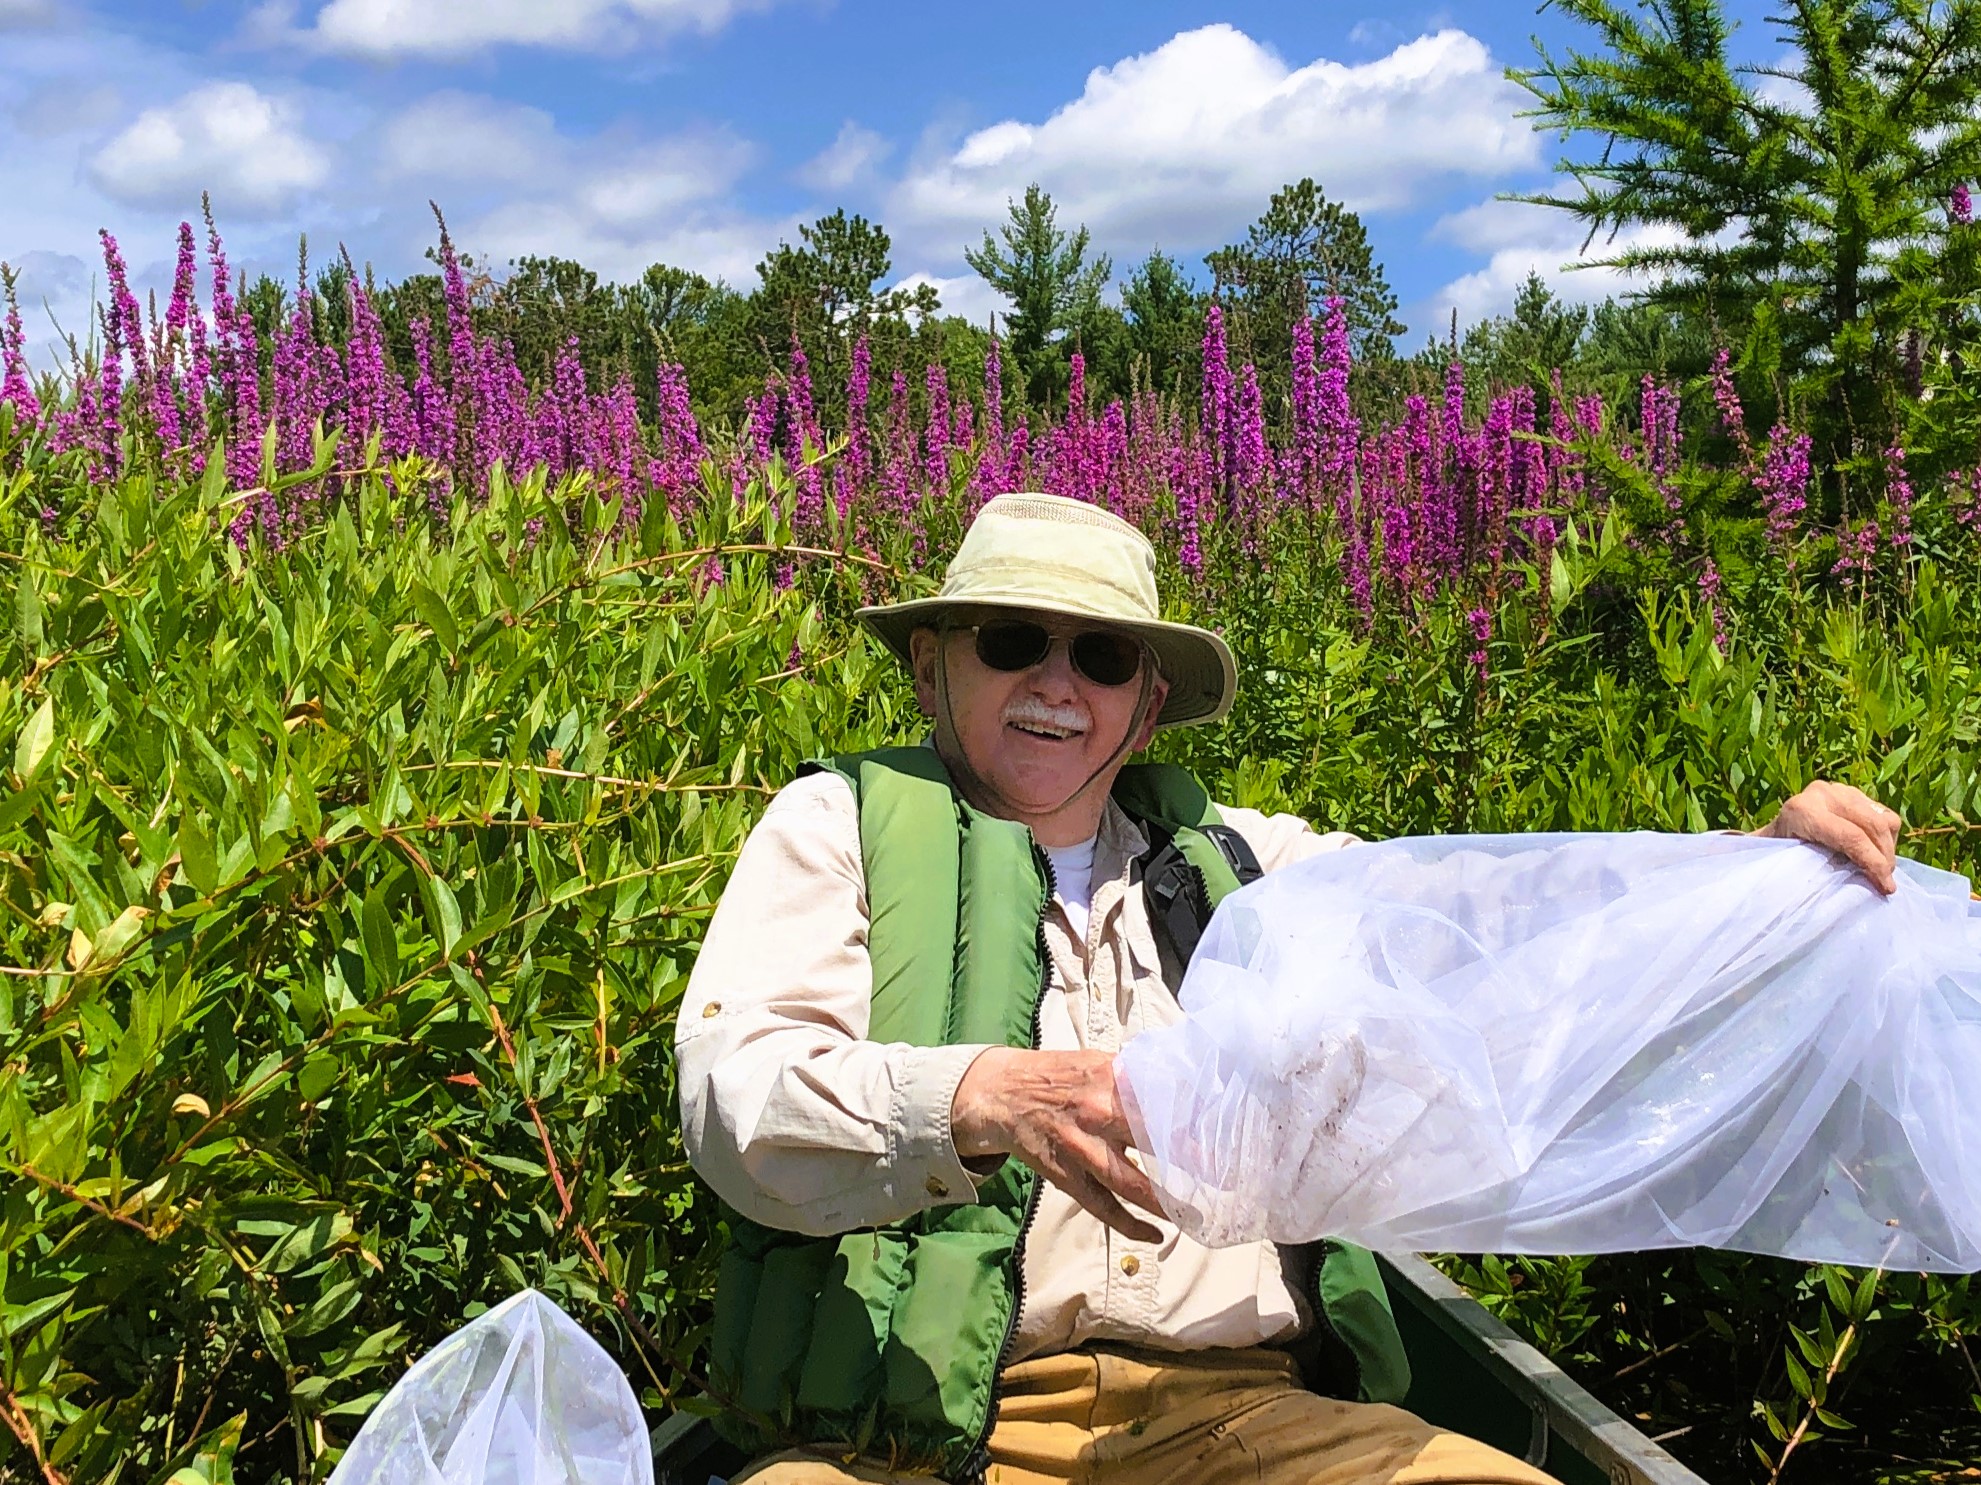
1158 694
921 663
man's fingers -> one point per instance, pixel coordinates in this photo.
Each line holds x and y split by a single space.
1879 823
1096 1198
1129 1182
1868 834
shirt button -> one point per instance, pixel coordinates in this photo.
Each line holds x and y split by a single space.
1130 1264
713 1008
935 1188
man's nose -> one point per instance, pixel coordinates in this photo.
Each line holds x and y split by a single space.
1054 675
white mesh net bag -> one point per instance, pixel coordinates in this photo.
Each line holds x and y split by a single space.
1578 1044
520 1395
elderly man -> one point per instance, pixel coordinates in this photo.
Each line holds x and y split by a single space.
896 1060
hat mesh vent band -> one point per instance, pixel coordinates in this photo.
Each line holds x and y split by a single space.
1070 515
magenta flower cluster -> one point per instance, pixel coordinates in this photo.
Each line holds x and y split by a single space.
1451 499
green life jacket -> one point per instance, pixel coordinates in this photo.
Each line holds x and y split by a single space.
888 1341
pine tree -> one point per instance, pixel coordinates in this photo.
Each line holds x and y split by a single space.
1802 205
1053 289
1304 251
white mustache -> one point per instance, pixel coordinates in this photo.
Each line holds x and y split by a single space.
1040 714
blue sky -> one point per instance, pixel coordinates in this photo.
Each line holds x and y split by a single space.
700 132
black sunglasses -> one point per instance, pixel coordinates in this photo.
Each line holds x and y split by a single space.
1105 658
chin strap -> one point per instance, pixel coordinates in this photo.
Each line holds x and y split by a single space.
976 783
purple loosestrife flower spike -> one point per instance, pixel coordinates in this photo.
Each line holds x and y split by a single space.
1960 206
1709 590
1481 622
1726 397
1340 432
680 438
856 466
801 431
462 357
1968 513
897 475
179 313
1443 501
1303 453
1216 398
1784 486
15 387
1898 491
364 367
1857 551
988 478
935 429
244 451
1110 442
119 320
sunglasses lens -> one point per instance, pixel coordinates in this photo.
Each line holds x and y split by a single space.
1106 659
1012 644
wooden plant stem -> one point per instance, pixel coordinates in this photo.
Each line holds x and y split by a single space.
621 1301
1809 1413
22 1428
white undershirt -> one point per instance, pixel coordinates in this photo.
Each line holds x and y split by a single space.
1073 871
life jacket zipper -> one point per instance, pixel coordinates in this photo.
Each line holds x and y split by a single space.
977 1462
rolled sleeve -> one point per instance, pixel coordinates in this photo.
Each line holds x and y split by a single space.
927 1094
1281 840
787 1109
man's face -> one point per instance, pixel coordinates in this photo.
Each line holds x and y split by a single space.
1035 736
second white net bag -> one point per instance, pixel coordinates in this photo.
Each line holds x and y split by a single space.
520 1395
1578 1044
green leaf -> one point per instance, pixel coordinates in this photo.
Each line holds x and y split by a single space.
19 1319
27 615
381 941
196 858
433 609
308 1241
31 748
209 1459
443 912
318 1072
1797 1377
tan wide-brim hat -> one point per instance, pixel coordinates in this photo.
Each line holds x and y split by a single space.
1046 554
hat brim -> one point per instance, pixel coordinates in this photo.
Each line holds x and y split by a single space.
1202 676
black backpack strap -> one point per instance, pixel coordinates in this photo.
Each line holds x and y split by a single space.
1173 891
1179 904
1237 852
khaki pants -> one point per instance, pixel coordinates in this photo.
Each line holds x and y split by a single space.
1119 1417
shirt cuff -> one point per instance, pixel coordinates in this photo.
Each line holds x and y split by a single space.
924 1157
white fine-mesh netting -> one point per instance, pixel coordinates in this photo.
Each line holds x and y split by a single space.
520 1395
1578 1044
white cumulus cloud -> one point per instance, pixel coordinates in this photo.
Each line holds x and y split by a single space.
851 159
452 136
389 28
247 147
1185 144
513 183
1520 238
964 294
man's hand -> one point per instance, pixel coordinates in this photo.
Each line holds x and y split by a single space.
1847 821
1059 1113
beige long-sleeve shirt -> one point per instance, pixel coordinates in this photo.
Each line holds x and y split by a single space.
801 1122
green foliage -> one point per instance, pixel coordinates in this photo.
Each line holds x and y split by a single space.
1053 287
1542 336
346 893
1165 329
1802 207
1303 251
